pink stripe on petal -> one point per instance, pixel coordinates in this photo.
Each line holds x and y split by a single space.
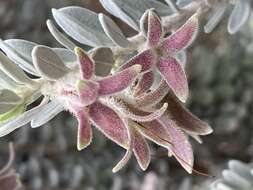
175 77
154 97
185 119
141 150
181 148
84 135
155 30
119 81
145 82
146 59
109 123
87 91
183 37
87 67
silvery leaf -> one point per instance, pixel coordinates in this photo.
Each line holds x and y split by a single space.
19 51
239 16
66 55
104 61
6 81
49 112
182 58
182 3
216 16
13 71
113 31
235 180
130 11
82 25
144 23
60 37
48 63
8 100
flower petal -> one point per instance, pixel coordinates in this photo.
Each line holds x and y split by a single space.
106 120
144 83
154 97
87 91
181 148
155 132
141 150
146 59
87 67
155 30
10 182
84 135
130 112
175 77
119 81
185 119
128 153
183 37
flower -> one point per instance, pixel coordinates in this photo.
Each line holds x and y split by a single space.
159 54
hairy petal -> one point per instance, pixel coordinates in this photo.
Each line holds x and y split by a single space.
87 67
87 91
181 148
141 150
175 77
84 135
146 59
153 97
184 118
155 30
183 37
128 153
155 132
133 113
119 81
144 83
109 123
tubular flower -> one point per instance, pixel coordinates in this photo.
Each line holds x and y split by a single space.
160 54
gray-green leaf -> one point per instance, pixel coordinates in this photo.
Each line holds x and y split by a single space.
113 31
8 100
48 63
82 25
130 11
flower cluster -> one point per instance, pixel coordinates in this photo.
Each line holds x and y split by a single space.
141 98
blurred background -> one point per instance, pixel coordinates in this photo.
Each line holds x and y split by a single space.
220 70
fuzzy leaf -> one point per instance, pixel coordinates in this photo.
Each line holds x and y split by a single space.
185 119
181 148
13 71
8 100
14 112
153 97
87 91
87 67
216 16
50 111
48 63
104 60
146 59
144 83
109 123
183 37
19 51
60 37
130 11
7 82
82 25
239 16
175 77
68 57
155 29
113 31
141 150
118 82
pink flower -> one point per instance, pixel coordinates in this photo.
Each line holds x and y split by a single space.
159 55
